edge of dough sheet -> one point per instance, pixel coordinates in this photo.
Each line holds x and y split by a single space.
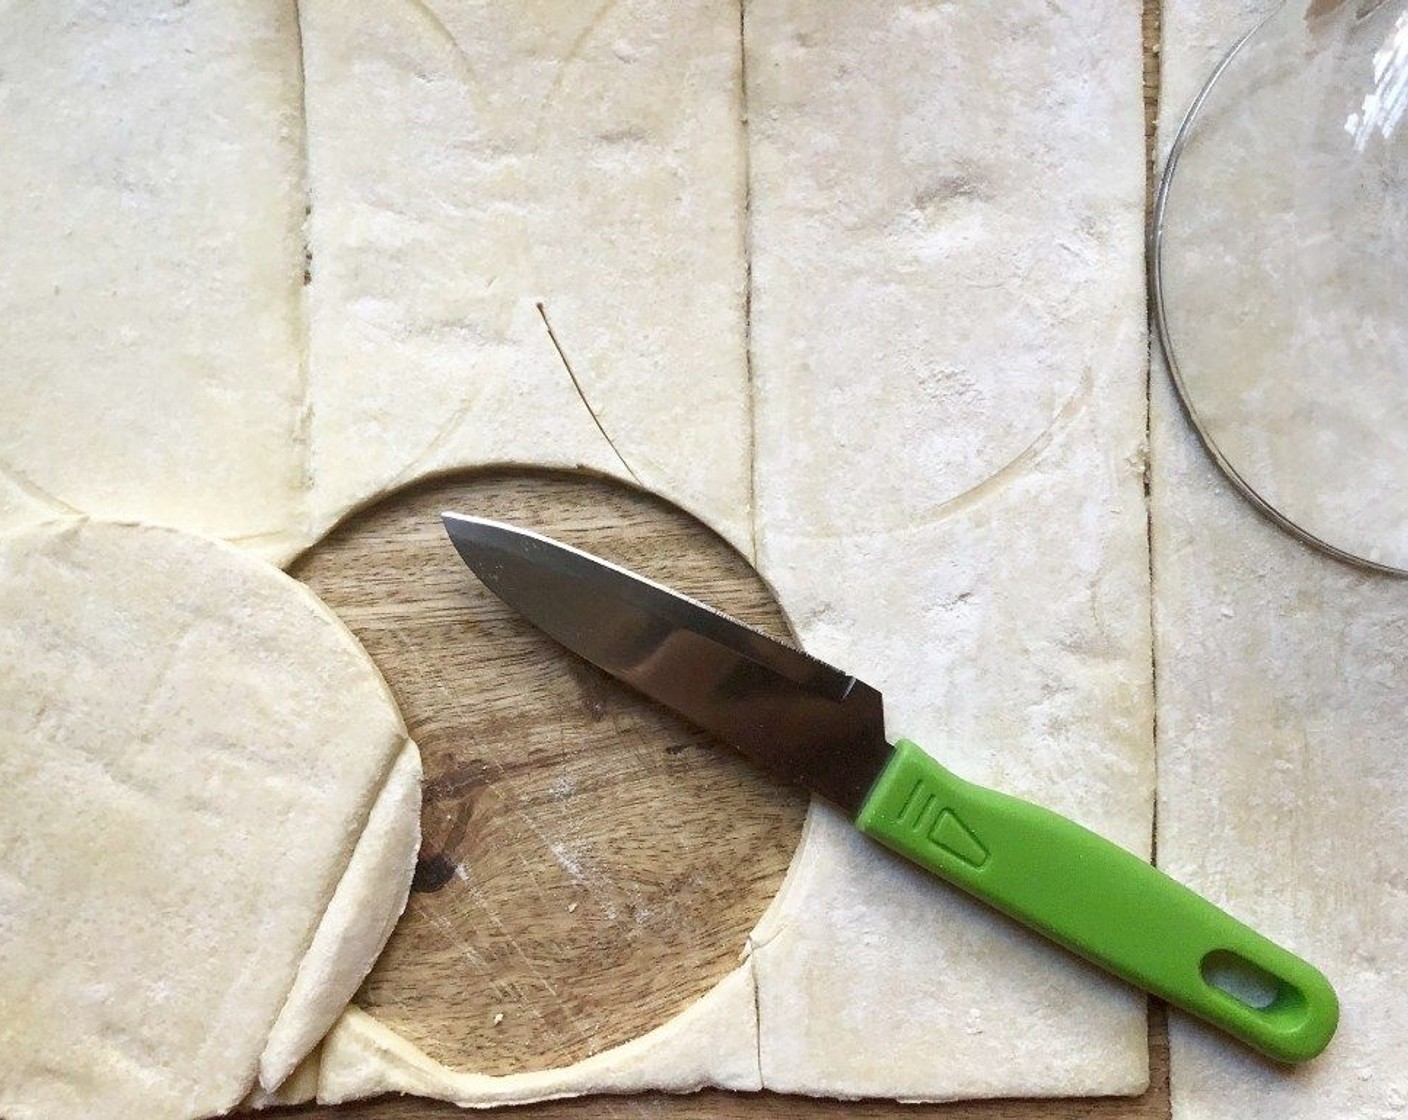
712 1043
735 531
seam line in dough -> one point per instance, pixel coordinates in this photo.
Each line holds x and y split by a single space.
757 1013
303 419
1058 426
444 34
746 231
567 59
1151 32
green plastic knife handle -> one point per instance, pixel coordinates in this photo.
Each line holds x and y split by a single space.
1100 901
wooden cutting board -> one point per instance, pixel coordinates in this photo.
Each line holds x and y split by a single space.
591 864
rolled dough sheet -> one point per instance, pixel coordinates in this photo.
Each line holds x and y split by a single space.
151 260
1282 796
192 747
527 245
948 333
944 343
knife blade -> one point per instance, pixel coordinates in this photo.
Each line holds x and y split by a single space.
810 723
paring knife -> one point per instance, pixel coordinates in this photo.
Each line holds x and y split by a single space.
812 724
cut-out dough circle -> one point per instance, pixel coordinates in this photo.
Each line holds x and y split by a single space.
198 765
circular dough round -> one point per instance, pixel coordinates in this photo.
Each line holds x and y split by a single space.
208 822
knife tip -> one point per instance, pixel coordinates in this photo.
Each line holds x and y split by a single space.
462 526
454 524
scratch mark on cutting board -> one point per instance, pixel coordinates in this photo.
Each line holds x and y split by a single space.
456 941
556 345
584 1031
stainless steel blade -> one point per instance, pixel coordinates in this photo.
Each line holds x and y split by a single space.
798 717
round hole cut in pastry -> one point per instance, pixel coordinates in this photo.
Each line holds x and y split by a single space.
209 814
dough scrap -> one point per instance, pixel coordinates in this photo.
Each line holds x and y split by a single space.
1282 794
354 929
193 746
151 264
948 334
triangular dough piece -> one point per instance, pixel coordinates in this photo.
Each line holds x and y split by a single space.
369 899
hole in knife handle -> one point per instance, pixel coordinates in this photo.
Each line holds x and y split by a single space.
1250 984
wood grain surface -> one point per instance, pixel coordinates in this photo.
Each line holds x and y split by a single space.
591 864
